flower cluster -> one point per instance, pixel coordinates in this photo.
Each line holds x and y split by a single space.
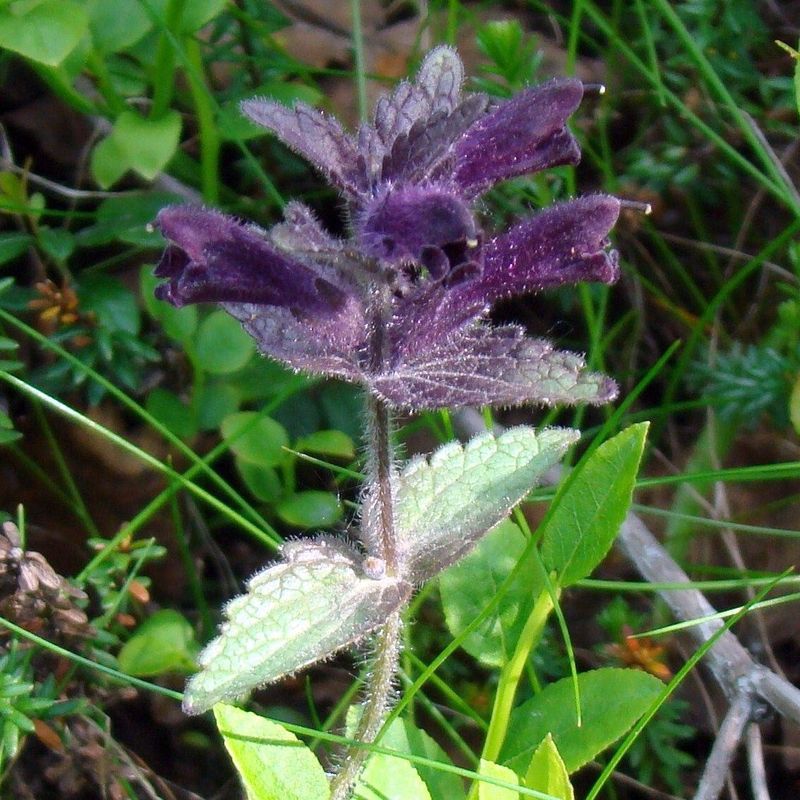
401 306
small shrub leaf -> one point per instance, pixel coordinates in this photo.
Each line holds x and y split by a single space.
263 441
404 737
390 778
46 32
222 346
162 643
310 509
328 443
590 510
273 764
794 405
136 143
467 587
612 699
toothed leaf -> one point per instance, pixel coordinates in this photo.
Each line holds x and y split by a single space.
446 503
319 139
295 613
485 366
437 88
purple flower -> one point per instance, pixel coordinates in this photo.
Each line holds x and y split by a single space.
401 306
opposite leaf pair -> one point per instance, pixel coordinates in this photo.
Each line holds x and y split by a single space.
324 595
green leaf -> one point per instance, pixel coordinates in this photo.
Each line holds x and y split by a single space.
547 773
794 405
13 245
310 509
263 482
467 587
45 32
333 443
222 346
58 243
446 503
590 509
273 764
611 701
796 56
113 304
137 143
389 778
489 791
8 436
404 737
199 13
117 24
126 219
162 643
295 613
171 412
215 401
263 441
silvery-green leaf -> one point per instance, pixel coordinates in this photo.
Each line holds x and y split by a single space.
295 613
446 503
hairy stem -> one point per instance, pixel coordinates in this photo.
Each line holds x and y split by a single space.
379 691
381 539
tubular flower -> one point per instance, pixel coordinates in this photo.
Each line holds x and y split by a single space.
401 306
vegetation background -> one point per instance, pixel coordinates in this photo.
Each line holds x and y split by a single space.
153 461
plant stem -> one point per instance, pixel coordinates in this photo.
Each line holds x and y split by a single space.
379 691
209 135
380 537
510 677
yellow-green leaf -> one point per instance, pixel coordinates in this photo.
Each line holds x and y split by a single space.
547 773
272 763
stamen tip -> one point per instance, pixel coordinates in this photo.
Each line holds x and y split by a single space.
637 205
600 88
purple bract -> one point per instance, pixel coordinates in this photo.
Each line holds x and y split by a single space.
401 306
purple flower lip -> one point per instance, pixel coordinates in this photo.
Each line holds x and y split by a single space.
213 258
401 305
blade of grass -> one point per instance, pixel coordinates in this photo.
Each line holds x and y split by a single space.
142 413
668 690
75 416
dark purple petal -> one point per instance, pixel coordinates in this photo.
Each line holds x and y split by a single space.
566 243
319 139
524 134
402 223
491 366
213 258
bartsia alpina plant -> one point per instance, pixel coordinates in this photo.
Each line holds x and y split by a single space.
401 307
